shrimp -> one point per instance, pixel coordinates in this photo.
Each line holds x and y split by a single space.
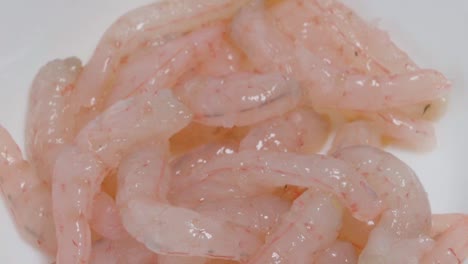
357 133
162 66
311 224
301 131
402 232
239 99
329 85
106 218
338 253
170 230
97 150
49 122
277 169
141 28
122 251
451 246
27 196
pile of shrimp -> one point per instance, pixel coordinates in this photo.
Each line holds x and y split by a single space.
231 131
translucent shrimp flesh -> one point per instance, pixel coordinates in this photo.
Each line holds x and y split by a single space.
228 132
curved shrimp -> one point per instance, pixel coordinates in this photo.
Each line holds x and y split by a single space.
277 169
170 230
27 196
143 27
106 218
338 253
327 84
402 232
97 150
239 99
162 66
301 131
122 251
311 224
451 246
49 122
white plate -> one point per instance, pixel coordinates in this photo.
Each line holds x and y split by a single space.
432 31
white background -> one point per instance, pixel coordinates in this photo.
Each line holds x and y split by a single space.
434 32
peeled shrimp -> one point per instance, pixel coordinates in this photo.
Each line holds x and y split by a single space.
301 131
402 232
311 224
27 196
162 66
338 253
327 84
141 28
98 149
170 230
49 122
270 169
239 99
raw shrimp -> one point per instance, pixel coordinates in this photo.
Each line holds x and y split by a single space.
311 225
277 169
239 99
98 149
327 84
49 122
122 251
106 218
338 253
301 131
161 67
357 133
170 230
451 246
27 196
402 232
144 27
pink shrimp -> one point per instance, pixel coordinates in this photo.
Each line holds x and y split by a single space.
141 28
338 253
27 196
442 222
328 84
402 232
98 149
170 230
451 246
277 169
49 122
301 131
239 99
162 66
312 223
106 218
122 251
